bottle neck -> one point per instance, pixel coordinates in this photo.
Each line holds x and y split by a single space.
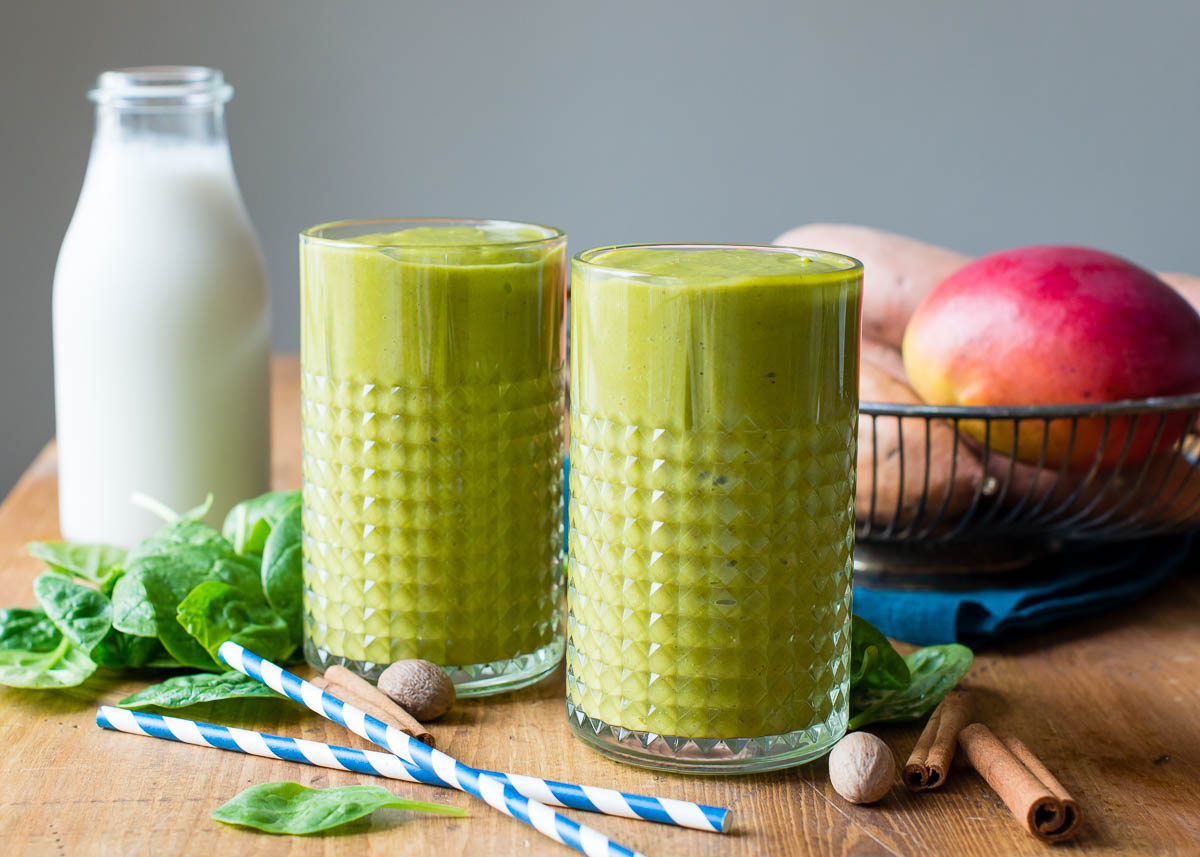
193 125
166 105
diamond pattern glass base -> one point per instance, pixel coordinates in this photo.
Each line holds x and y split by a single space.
433 527
470 680
707 755
709 583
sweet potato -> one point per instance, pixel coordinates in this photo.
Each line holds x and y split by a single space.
898 271
1168 493
879 445
885 357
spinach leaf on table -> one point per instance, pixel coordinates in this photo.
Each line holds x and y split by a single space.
249 524
28 630
293 808
214 612
146 599
873 661
162 570
83 614
142 611
934 670
98 564
66 665
182 533
119 650
183 690
242 573
134 611
282 572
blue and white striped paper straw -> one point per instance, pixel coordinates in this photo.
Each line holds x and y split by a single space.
262 744
590 798
494 792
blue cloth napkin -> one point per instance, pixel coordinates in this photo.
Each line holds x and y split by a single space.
1080 581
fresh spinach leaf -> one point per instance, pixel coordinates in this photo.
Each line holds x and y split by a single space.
160 573
28 630
293 808
182 533
873 661
99 564
184 690
83 614
163 661
64 666
137 614
282 572
133 611
119 650
242 573
250 522
935 670
146 599
214 612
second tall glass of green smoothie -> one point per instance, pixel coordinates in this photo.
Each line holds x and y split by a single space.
433 357
714 403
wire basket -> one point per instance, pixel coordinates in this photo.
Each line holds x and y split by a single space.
961 490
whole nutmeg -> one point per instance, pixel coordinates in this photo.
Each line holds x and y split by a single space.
419 687
861 768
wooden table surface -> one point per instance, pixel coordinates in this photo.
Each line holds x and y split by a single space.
1112 706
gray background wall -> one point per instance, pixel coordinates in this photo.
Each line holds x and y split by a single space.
974 125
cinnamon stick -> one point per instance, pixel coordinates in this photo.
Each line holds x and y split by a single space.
372 702
1070 809
930 759
1041 805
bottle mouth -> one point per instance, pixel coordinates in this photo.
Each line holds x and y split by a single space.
160 87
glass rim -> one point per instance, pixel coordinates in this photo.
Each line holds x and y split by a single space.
585 258
161 87
313 235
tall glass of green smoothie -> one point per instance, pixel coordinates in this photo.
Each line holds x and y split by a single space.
432 404
714 404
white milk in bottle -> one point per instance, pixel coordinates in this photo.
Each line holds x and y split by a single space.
161 326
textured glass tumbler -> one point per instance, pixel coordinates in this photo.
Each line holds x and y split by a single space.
714 403
432 406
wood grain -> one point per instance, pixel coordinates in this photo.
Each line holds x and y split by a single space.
1110 705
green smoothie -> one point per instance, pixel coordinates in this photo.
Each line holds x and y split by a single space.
714 396
432 387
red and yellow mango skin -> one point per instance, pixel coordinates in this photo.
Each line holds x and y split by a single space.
1053 325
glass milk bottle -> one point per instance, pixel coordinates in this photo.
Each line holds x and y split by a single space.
161 320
